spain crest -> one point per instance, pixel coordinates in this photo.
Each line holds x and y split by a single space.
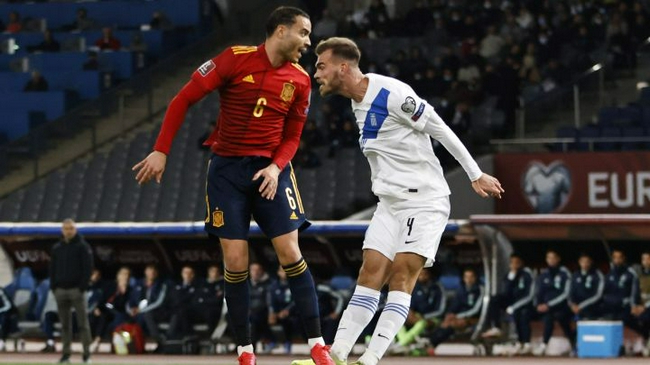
217 218
287 91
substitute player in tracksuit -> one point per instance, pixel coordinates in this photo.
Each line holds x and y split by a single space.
553 287
464 311
516 298
587 285
147 302
644 284
8 318
282 318
622 297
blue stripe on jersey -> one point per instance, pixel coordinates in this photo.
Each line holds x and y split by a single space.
376 115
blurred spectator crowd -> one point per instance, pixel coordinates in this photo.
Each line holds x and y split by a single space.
472 58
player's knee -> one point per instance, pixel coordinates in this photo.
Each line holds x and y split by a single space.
402 279
288 255
371 275
287 248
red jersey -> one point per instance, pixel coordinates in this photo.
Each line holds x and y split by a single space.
263 109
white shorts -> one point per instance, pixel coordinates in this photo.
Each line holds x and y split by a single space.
408 226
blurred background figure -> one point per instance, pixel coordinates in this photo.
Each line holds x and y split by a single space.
147 303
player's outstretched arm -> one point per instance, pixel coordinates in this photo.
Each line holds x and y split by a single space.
152 167
487 186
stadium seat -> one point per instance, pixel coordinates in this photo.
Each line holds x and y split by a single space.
632 132
20 291
450 282
589 131
11 206
607 132
54 189
608 115
565 132
645 115
93 188
631 114
32 202
343 284
73 191
644 96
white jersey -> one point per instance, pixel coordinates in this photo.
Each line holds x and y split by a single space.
395 126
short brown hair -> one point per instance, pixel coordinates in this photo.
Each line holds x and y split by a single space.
341 47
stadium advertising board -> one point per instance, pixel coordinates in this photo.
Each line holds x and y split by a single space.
589 182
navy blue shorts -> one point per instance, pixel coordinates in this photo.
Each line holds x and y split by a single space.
232 197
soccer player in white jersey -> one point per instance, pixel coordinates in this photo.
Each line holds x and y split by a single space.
404 233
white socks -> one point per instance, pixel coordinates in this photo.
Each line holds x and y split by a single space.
314 341
391 320
242 349
355 318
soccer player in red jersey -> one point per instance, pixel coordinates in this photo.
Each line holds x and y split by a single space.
264 101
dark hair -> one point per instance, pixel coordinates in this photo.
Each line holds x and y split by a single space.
619 250
341 47
585 254
284 15
469 269
554 251
516 255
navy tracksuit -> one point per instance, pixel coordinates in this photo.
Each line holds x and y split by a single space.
644 280
209 302
467 304
553 287
279 299
8 315
587 292
516 298
183 314
621 293
429 300
154 310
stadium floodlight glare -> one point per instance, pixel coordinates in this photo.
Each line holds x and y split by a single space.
596 67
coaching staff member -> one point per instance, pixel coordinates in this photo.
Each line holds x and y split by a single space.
70 268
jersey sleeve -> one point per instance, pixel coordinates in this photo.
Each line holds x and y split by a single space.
208 77
419 115
216 71
293 126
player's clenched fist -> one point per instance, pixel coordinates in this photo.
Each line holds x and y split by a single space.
151 167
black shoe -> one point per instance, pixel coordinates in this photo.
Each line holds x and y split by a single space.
48 348
65 359
86 359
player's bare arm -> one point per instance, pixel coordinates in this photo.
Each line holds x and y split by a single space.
269 185
487 186
152 167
